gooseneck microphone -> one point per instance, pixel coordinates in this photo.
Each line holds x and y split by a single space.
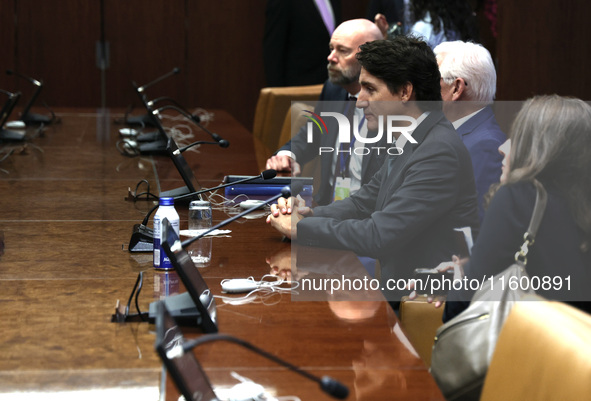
174 71
329 385
285 192
9 94
146 119
223 144
5 134
31 80
168 99
265 175
26 116
196 120
142 236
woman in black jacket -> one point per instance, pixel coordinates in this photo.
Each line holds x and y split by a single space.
550 142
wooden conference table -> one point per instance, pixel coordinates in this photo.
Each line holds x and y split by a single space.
66 224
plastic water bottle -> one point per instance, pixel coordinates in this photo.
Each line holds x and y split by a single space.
199 221
165 210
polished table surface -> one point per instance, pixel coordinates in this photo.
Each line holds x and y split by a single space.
66 224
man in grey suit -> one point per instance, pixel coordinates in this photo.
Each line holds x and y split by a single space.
406 214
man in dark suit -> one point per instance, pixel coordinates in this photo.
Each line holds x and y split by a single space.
343 70
295 38
468 87
406 214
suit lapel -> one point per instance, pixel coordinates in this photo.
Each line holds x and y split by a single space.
478 119
395 164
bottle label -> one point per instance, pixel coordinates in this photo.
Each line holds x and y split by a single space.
157 230
161 261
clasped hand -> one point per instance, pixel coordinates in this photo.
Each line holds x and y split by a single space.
286 214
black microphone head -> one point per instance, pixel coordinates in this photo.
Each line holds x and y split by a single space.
9 72
176 70
223 143
286 192
268 174
333 387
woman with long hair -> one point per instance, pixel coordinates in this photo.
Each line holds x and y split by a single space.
551 143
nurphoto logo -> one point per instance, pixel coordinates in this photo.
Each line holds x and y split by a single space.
393 128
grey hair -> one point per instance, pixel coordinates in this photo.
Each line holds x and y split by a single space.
471 62
551 141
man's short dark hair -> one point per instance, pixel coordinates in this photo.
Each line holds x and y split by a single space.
400 60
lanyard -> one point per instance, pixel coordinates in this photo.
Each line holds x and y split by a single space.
345 152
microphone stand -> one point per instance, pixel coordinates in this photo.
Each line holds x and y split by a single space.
154 135
329 385
196 120
32 118
146 119
6 134
223 144
188 306
285 192
142 237
185 305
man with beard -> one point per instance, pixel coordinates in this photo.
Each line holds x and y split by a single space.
343 171
406 215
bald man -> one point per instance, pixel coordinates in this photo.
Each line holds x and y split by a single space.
343 171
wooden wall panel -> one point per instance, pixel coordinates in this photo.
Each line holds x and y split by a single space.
6 47
225 55
352 9
217 45
147 40
543 48
56 42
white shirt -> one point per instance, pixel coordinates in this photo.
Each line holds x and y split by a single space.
356 159
462 120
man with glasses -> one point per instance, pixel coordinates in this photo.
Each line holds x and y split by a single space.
468 86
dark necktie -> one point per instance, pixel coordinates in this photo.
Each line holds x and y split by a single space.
344 147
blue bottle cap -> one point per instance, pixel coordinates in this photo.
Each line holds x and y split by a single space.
168 201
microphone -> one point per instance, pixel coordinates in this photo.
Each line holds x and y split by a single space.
5 134
174 249
32 118
223 143
329 385
142 236
31 80
265 175
146 119
174 71
285 192
195 119
168 99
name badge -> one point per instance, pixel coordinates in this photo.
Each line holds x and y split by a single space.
342 188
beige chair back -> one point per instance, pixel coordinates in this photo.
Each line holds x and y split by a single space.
270 112
543 353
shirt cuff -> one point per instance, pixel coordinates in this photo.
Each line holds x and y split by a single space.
286 153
